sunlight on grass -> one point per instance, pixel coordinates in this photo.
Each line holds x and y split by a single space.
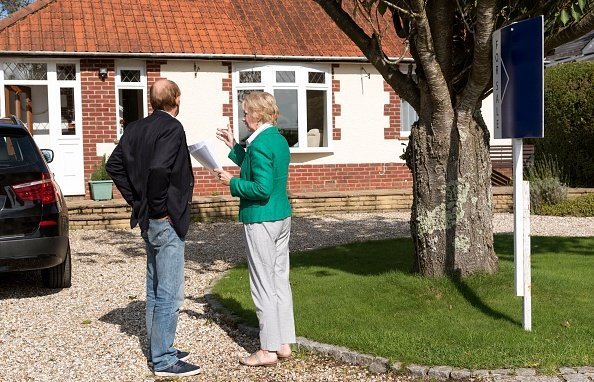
363 296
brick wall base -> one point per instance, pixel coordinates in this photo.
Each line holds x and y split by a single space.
87 214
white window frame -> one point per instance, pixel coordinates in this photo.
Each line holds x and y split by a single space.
408 115
53 88
119 85
301 84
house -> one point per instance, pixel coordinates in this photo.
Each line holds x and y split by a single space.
77 72
580 49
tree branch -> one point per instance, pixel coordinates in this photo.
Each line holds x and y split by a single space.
404 86
441 14
576 30
481 65
427 59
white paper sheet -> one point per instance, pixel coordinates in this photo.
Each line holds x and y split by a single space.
203 152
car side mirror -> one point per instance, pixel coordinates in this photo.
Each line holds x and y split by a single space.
48 154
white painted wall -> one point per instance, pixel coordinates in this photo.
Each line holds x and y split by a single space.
362 121
487 111
202 100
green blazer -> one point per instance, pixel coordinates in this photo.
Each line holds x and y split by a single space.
262 183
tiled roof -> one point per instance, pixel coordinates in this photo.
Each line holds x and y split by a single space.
282 28
578 47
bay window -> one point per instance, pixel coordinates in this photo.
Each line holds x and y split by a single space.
302 94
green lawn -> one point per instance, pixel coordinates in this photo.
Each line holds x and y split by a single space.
363 296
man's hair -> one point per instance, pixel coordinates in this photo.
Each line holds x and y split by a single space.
262 106
163 94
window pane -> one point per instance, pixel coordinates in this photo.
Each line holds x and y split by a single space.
243 130
30 105
129 75
66 72
408 116
316 118
285 77
288 122
250 77
67 111
131 107
24 71
317 77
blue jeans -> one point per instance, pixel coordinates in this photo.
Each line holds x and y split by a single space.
164 290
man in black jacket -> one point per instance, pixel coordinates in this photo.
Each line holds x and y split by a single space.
152 170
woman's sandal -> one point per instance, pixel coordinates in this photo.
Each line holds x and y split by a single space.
246 361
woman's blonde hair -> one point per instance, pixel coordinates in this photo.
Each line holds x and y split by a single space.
261 106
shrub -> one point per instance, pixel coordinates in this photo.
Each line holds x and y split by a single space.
569 121
546 186
100 172
581 207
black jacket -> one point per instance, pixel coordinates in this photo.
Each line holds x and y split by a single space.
151 167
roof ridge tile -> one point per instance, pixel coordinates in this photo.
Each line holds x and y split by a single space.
23 12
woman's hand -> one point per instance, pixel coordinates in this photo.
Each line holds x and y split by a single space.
223 176
226 135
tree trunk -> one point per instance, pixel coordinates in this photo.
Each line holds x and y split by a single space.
451 219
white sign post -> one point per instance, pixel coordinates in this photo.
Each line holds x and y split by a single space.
518 176
526 279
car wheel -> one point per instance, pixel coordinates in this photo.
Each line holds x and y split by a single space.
60 275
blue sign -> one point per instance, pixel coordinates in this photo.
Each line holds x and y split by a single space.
518 80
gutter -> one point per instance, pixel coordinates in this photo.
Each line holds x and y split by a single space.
200 56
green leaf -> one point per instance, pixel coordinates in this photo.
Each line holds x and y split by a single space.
582 4
576 13
564 17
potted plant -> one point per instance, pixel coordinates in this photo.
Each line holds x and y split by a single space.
101 184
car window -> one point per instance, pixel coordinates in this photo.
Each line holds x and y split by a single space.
18 152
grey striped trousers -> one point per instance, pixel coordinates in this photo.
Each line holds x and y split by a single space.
268 264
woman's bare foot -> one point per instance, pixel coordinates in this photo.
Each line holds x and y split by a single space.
260 358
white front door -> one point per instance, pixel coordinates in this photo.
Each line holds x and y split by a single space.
66 129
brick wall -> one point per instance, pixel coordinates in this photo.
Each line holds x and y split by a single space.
88 214
98 110
392 110
116 213
322 178
336 108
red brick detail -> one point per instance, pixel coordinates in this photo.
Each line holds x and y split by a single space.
392 110
228 87
322 178
153 73
98 110
336 108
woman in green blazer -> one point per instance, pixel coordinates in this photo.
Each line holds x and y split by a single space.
265 211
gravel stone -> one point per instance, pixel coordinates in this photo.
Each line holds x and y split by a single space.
94 331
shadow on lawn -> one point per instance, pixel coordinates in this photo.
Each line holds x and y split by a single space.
504 245
474 300
362 258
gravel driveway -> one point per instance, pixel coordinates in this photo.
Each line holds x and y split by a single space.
94 331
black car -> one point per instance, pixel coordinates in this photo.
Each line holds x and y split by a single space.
33 213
